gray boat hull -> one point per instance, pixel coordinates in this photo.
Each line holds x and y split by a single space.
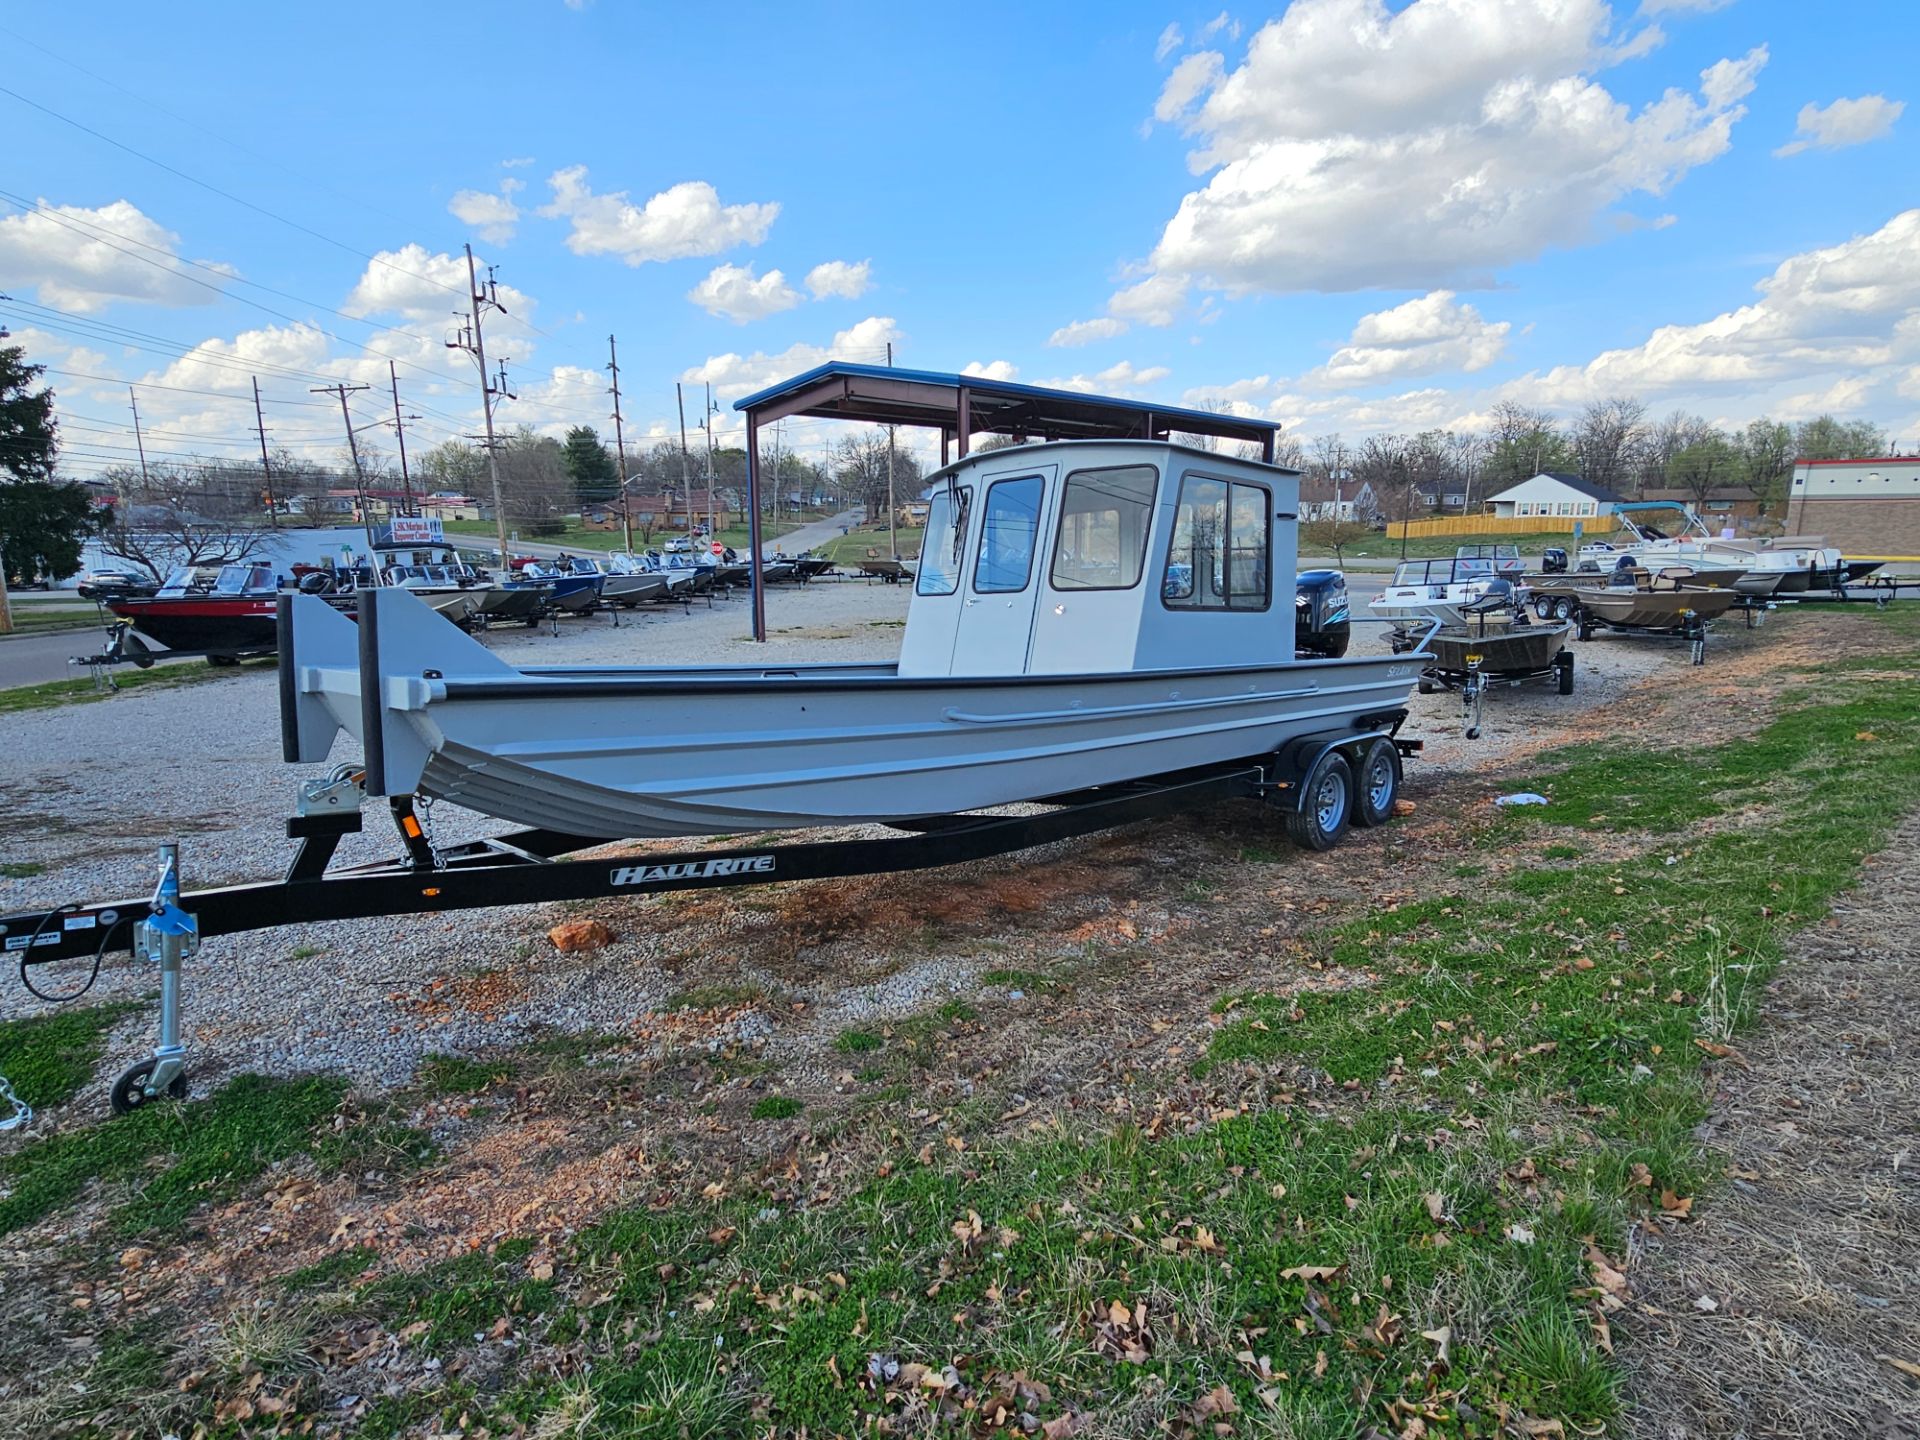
637 752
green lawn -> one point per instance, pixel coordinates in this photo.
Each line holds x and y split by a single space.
852 548
83 691
29 618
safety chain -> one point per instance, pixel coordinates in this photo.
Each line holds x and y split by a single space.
22 1111
423 808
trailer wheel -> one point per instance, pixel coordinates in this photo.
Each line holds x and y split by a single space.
1563 662
129 1092
1326 802
1424 685
1378 783
1586 622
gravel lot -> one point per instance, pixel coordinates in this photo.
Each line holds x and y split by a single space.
89 790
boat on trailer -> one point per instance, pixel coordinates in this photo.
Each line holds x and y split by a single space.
1085 613
1103 625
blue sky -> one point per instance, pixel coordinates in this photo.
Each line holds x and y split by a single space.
1340 214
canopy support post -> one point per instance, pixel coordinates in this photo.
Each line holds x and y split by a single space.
755 585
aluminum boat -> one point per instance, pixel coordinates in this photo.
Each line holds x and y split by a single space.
1085 613
1442 590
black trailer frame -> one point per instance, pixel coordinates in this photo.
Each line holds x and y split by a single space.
527 867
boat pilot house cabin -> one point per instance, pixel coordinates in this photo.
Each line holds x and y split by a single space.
1088 557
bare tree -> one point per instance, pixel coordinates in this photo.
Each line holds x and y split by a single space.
1605 440
155 530
1766 457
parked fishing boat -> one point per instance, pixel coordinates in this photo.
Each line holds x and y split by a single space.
1035 663
632 579
573 583
224 612
1427 590
1495 644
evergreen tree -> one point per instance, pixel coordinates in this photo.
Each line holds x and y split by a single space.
590 466
43 521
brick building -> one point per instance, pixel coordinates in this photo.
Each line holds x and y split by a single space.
1864 507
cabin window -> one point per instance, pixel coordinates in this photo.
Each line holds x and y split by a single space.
1009 533
1220 552
1104 519
944 545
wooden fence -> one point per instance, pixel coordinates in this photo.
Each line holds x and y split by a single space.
1501 525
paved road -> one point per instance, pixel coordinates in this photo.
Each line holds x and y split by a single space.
36 659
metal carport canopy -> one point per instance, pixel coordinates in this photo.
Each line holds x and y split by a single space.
959 406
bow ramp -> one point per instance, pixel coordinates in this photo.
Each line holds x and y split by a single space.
369 678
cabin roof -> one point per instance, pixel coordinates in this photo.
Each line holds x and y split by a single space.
883 395
1014 454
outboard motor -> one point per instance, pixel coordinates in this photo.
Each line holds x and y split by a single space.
1321 622
1553 561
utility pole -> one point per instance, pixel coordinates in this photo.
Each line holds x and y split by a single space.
266 465
400 433
473 341
620 444
686 480
353 448
893 510
138 444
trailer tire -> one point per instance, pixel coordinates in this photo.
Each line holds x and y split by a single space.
1326 804
1376 782
1563 662
1586 622
1424 685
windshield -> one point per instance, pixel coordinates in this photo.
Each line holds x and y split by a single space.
945 541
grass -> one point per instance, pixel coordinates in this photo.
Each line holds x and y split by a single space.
851 548
856 1042
21 869
84 691
457 1075
48 1057
716 997
776 1107
34 619
170 1158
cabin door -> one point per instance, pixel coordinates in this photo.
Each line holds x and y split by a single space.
1002 586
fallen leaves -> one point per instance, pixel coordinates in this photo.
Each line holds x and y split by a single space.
1123 1332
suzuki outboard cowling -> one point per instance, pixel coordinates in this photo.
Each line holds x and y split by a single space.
1321 622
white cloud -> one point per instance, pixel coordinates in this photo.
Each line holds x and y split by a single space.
84 259
733 375
844 278
682 221
1657 7
1843 123
1120 379
1347 155
516 162
425 286
993 370
737 293
1221 23
1085 332
1171 39
1190 79
1425 336
1154 301
493 217
1846 312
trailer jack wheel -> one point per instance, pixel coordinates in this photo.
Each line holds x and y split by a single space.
135 1088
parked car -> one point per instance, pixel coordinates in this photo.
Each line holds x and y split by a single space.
115 584
678 545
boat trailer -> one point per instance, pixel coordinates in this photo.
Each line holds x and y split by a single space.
527 867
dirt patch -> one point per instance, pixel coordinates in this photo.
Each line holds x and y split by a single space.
1811 1259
